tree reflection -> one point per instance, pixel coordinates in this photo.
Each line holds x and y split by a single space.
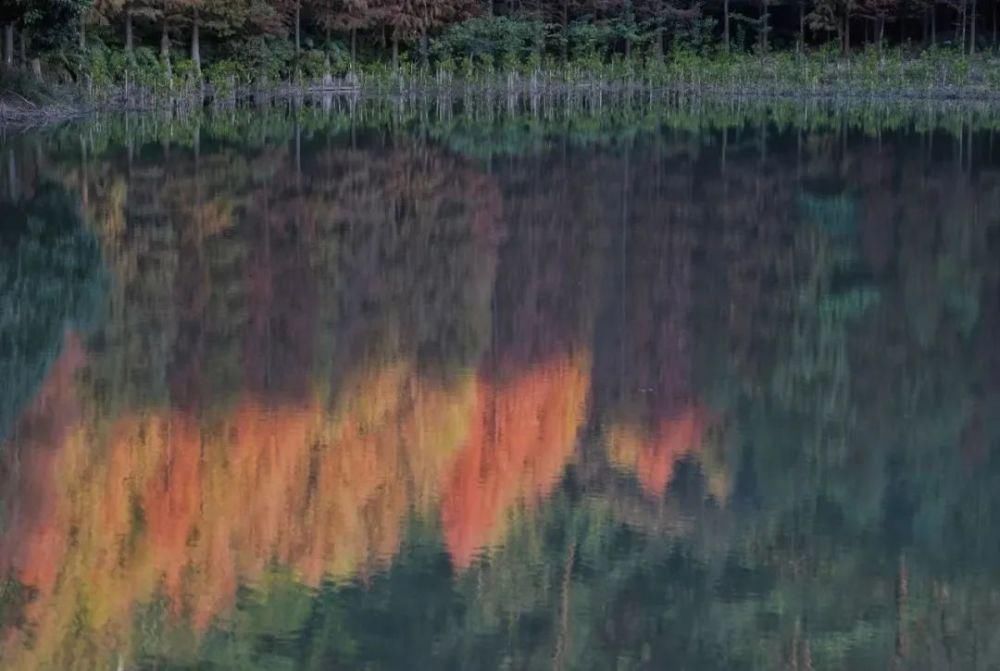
711 399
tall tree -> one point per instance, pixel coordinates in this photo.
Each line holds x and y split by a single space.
411 20
878 11
11 13
51 23
343 15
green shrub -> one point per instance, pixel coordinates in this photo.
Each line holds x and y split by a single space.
312 64
269 59
225 75
493 40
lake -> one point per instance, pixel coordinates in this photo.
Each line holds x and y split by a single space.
493 384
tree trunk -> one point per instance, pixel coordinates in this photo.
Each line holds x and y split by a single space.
165 49
628 19
901 22
354 47
298 30
933 24
996 8
83 31
725 24
880 26
327 73
196 42
540 35
128 30
802 26
847 30
8 45
565 31
298 41
961 19
24 48
972 30
395 50
765 20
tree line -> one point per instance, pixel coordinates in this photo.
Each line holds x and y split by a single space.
559 29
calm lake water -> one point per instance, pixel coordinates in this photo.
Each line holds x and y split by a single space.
403 386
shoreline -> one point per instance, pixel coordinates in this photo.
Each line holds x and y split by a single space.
19 115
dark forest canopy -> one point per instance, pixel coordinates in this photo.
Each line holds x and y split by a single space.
276 38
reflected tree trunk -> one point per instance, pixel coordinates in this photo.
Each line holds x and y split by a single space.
8 45
563 639
901 646
12 190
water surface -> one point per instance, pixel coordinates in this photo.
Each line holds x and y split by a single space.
463 386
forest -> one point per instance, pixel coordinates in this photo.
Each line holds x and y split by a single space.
121 46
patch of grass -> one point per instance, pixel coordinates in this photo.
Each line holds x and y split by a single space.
17 83
938 73
26 100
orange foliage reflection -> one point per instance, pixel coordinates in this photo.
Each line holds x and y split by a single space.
653 456
523 433
186 508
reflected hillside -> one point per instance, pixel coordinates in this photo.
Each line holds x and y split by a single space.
361 388
523 433
51 281
168 508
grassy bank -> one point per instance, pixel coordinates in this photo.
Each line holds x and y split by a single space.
26 101
107 82
487 126
937 74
